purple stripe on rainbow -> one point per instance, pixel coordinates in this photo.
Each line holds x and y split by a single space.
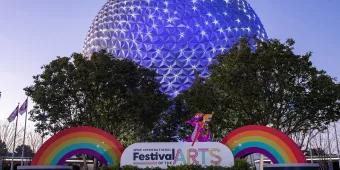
252 150
99 157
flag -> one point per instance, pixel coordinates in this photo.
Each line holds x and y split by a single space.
14 114
23 107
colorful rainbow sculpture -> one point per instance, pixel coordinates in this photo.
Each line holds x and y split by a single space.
79 140
275 145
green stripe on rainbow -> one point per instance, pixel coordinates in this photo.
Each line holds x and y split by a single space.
277 146
79 140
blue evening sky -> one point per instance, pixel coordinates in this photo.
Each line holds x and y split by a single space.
33 32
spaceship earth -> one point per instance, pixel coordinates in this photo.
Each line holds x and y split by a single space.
176 38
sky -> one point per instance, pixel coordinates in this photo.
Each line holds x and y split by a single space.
34 32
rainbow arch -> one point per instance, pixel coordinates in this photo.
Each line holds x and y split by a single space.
274 144
79 140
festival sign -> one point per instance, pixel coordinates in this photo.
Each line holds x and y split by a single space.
164 154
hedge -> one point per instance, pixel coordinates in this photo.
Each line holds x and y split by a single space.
239 165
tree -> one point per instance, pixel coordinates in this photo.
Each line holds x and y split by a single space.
170 125
316 152
7 134
3 149
34 140
112 94
267 86
28 152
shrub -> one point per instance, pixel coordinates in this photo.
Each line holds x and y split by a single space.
239 165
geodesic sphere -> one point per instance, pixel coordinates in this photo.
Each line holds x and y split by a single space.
176 38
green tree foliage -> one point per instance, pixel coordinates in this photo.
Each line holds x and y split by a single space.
268 86
112 94
170 125
28 152
3 148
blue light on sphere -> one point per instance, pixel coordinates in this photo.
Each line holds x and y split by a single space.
176 38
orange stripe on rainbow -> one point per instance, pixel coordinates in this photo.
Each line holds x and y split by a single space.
79 140
277 146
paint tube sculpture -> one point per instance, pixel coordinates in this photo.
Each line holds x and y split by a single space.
200 124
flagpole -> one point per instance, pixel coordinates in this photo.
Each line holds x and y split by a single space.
329 149
23 142
337 143
15 138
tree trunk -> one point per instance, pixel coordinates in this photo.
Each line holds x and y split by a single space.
95 163
261 162
84 161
